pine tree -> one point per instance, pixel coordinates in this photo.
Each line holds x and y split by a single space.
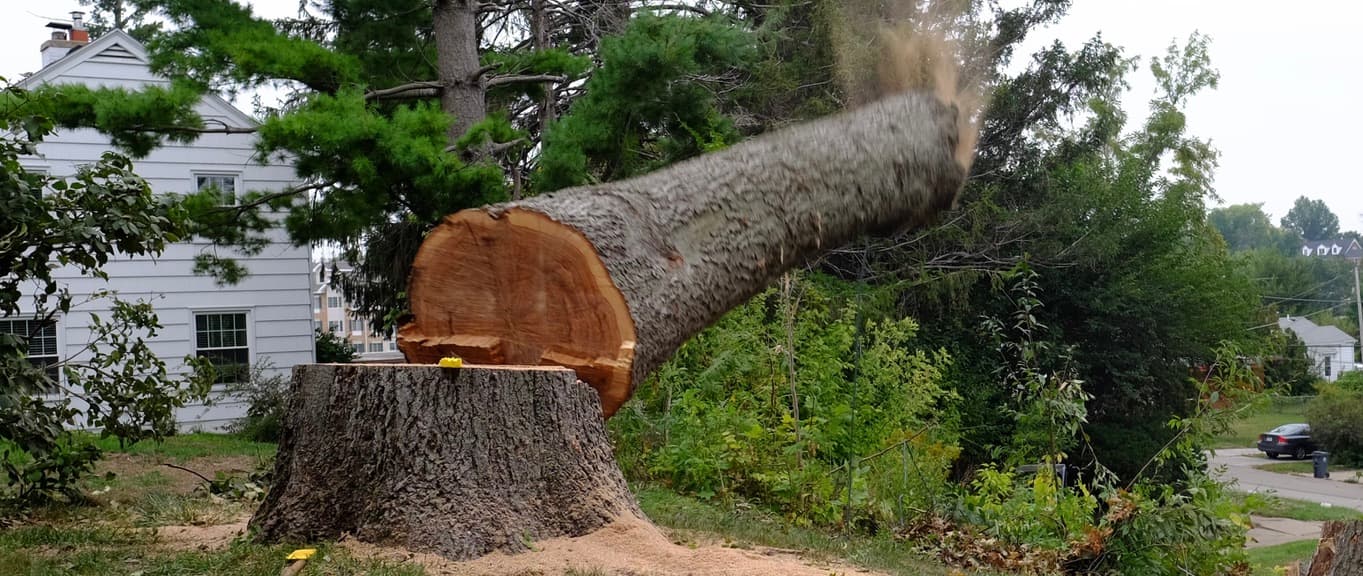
397 113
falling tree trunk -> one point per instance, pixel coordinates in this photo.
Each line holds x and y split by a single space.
610 280
456 461
1340 552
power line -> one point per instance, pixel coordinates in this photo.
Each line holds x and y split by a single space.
1290 299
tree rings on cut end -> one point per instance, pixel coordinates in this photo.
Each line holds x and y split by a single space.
519 288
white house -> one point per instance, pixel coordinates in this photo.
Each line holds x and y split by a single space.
267 317
1330 349
1347 248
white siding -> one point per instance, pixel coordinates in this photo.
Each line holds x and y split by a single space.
276 296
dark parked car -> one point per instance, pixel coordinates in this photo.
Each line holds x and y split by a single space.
1291 439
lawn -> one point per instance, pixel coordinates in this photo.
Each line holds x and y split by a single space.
1343 473
126 527
1245 433
1265 561
1275 507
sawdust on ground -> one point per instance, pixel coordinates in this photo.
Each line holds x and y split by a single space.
202 538
628 547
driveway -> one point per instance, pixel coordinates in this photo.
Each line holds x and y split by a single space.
1239 466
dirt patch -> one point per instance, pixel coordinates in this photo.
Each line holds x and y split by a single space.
203 538
132 469
627 547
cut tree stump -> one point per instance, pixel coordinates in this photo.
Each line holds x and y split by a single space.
1340 552
610 280
455 461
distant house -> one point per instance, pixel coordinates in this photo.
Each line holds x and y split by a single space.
1340 248
265 318
333 314
1330 349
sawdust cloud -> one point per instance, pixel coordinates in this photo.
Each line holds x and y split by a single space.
889 47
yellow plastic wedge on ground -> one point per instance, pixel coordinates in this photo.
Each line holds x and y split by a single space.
451 362
302 554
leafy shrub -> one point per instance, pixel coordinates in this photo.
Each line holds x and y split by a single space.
1336 418
1037 512
1351 381
126 390
1194 528
844 440
1288 368
266 394
332 349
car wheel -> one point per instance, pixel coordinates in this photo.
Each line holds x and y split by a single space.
1300 454
1271 455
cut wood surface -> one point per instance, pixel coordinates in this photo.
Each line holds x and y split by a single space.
455 461
610 280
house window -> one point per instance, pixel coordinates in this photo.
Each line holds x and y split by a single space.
333 301
221 338
359 348
42 343
392 345
357 325
1321 251
334 326
1305 250
317 304
1329 364
376 346
1335 250
225 185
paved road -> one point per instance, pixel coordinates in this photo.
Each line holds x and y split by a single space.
1240 465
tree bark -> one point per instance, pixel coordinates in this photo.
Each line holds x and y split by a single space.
456 43
455 461
611 279
539 29
1340 552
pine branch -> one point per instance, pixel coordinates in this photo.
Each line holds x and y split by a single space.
422 89
266 199
223 128
523 79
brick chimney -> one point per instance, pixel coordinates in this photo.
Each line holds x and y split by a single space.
65 38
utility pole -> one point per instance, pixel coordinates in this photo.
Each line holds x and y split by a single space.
1358 301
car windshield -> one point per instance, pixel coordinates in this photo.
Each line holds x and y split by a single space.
1288 429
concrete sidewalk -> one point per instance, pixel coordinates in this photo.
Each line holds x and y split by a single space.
1274 531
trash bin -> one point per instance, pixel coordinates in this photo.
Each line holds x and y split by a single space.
1320 464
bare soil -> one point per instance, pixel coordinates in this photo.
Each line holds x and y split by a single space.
627 547
131 466
202 538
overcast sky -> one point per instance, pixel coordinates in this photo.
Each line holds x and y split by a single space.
1282 117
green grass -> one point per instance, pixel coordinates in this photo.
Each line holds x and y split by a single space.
1264 560
1275 507
1245 433
741 528
1342 473
183 447
238 559
117 536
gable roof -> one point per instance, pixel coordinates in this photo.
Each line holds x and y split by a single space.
118 45
1337 248
1313 334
